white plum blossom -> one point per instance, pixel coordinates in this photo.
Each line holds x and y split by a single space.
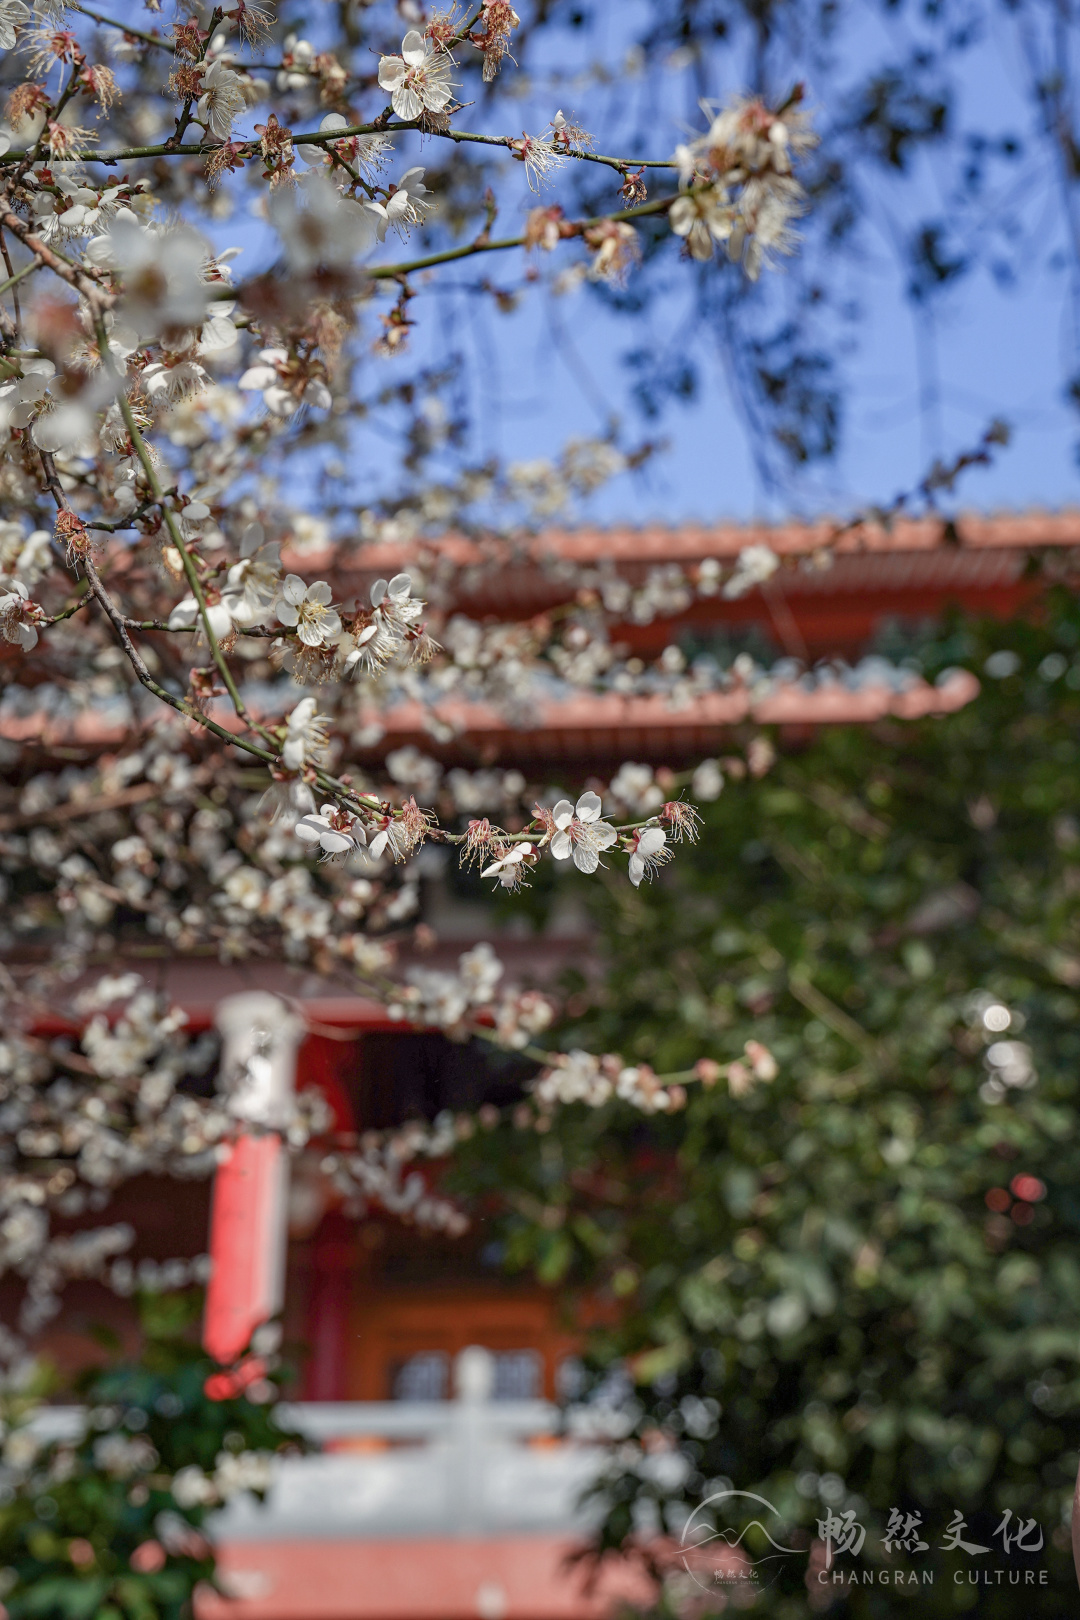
271 378
21 397
63 427
371 649
707 782
14 622
222 100
252 584
395 610
368 153
245 888
319 228
218 331
404 207
635 787
578 1077
510 867
13 13
164 288
737 183
173 380
419 79
702 218
755 565
186 615
266 378
306 609
192 1488
647 853
393 599
305 736
540 156
580 832
75 210
297 57
35 558
333 830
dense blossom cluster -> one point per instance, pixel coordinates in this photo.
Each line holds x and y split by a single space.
739 188
215 698
80 1117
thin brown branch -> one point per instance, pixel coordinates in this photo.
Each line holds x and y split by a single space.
55 261
12 280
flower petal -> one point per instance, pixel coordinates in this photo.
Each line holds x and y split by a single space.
589 806
413 48
436 96
563 813
310 829
391 72
586 859
335 843
561 846
184 614
406 103
259 377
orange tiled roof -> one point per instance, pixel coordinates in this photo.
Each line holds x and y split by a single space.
592 723
690 542
814 605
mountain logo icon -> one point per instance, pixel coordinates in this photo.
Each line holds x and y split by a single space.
735 1539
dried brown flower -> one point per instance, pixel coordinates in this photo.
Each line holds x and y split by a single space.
332 77
24 102
499 19
186 83
226 158
188 41
71 532
99 82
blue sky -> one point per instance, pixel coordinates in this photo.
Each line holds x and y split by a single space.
554 369
916 391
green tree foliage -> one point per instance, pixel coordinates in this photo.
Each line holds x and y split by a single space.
826 1288
110 1526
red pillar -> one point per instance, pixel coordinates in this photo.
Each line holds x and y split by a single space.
248 1222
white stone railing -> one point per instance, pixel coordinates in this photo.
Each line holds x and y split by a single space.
398 1469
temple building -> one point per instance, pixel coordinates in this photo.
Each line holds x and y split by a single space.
445 1486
